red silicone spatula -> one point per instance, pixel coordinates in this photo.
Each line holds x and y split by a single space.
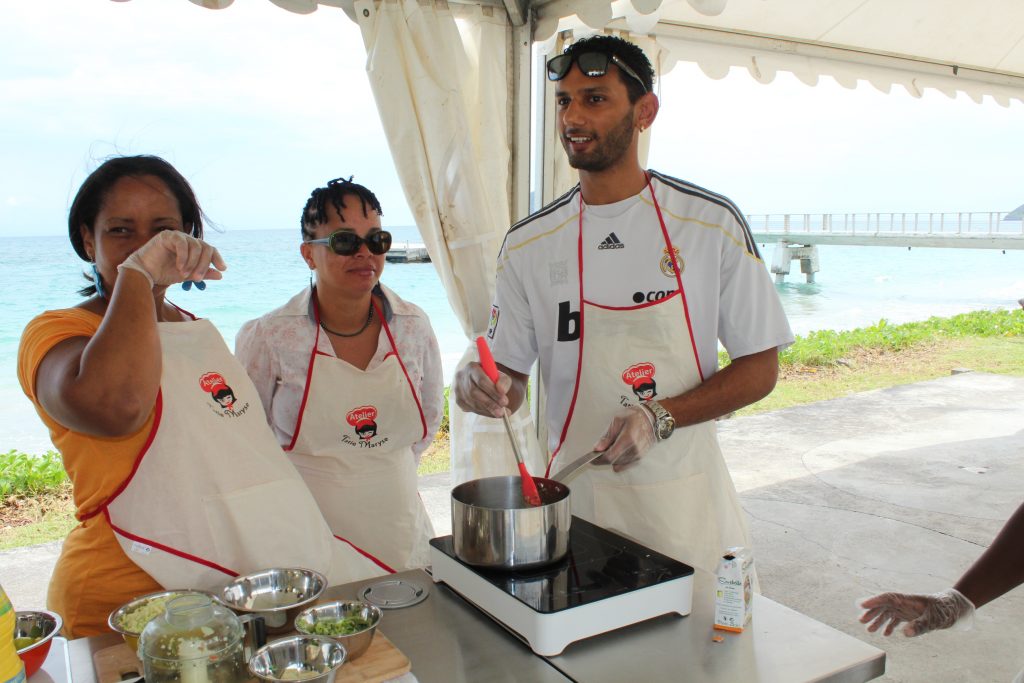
529 485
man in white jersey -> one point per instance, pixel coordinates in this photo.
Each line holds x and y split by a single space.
622 289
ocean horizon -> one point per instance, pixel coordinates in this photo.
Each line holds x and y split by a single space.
856 287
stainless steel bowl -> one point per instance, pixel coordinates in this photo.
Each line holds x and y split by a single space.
116 618
355 643
315 659
277 595
492 526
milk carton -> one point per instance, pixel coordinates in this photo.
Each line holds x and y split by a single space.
733 592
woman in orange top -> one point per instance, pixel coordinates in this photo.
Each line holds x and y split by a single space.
161 430
94 392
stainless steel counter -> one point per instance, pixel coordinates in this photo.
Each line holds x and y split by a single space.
449 641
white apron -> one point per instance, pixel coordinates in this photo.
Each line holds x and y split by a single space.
210 496
353 443
678 498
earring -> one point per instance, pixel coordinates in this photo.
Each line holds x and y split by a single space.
98 281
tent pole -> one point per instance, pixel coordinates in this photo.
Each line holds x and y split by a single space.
519 121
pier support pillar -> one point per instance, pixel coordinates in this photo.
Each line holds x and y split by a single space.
785 253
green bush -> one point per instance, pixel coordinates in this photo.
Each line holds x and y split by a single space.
443 428
24 474
825 347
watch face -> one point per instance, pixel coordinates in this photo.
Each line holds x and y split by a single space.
665 428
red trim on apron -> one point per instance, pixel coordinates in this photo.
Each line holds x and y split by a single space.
646 304
394 347
167 548
313 355
579 360
367 555
679 279
182 310
158 410
579 357
309 376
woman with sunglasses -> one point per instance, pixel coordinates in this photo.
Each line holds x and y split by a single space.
159 428
350 376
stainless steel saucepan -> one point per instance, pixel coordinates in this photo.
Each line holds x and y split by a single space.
494 527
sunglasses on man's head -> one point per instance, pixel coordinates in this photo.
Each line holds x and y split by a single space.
347 243
593 64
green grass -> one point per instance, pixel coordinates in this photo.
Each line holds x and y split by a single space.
54 523
871 369
827 347
437 457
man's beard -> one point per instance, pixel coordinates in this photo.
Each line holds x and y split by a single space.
609 150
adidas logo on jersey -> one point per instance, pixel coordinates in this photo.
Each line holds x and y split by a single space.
611 242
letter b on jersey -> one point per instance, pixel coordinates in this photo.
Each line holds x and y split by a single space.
568 323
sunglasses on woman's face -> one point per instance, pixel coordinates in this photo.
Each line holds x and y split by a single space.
593 64
347 243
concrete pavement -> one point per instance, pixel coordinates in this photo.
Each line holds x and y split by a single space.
896 489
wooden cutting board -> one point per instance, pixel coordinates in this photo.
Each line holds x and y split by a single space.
382 661
379 663
116 663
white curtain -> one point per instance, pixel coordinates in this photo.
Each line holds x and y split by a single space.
441 78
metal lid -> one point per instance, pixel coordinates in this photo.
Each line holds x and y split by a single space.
394 593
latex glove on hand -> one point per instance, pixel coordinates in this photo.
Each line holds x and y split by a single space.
629 436
172 256
476 393
922 613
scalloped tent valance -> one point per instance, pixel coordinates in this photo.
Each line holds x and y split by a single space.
452 81
950 45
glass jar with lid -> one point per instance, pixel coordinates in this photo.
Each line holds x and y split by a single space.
196 641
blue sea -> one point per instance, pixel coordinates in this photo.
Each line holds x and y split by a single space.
856 286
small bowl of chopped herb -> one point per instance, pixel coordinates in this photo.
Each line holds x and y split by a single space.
351 623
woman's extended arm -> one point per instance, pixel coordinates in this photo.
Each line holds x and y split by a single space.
106 385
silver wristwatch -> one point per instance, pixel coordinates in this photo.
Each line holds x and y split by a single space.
664 423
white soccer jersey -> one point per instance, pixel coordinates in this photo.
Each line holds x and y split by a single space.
729 293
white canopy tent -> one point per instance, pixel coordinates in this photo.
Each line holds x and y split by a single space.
452 81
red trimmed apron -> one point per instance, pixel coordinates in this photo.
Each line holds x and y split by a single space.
679 498
210 496
353 446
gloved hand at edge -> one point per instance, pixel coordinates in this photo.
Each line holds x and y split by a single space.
920 613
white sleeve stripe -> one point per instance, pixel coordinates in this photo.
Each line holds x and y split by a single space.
725 202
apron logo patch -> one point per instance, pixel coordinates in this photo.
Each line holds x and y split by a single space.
141 548
666 263
364 423
641 378
223 396
492 324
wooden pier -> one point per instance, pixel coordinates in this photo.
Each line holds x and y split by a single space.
410 252
797 235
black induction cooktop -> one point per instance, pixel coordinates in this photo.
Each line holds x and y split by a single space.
600 564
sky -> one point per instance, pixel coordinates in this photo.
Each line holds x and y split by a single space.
257 106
